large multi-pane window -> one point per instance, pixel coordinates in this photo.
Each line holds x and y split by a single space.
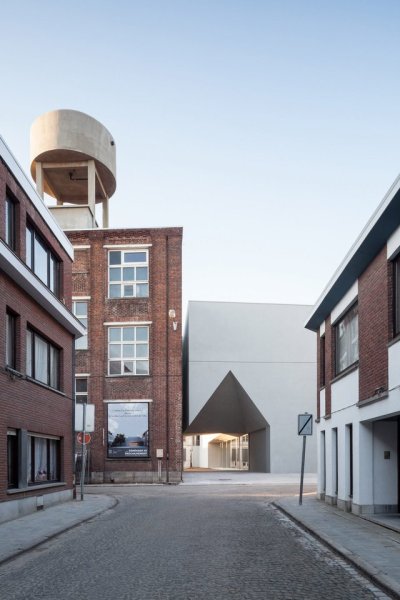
10 224
80 310
43 459
41 260
42 360
128 272
347 340
128 350
396 266
11 328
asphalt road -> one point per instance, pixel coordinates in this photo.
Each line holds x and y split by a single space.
185 543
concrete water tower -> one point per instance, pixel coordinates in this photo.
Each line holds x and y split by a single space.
73 160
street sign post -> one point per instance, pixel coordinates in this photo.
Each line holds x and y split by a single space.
304 428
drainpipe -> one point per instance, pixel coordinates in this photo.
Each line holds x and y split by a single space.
166 360
73 419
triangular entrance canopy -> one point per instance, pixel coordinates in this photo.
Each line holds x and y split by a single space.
228 410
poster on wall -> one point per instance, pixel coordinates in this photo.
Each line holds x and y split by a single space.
128 430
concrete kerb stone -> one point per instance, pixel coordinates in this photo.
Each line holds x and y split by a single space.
19 535
389 585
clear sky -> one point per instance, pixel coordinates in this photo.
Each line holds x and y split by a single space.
269 130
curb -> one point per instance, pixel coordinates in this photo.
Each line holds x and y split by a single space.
387 584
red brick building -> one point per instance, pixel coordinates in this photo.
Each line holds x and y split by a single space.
36 349
127 287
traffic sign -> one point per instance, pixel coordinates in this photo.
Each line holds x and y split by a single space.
83 440
304 424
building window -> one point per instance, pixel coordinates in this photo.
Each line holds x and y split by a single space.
347 340
43 459
396 267
10 225
12 458
11 336
80 310
81 390
42 360
322 361
128 350
41 260
128 430
128 273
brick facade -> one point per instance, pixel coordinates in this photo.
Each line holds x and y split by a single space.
163 385
28 406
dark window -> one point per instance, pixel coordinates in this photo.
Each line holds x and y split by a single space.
41 260
81 389
12 459
347 340
43 459
42 360
322 361
396 267
11 332
10 226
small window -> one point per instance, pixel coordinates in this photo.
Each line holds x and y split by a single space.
128 274
41 260
128 350
11 333
347 340
10 224
12 458
80 310
43 459
81 390
42 360
322 361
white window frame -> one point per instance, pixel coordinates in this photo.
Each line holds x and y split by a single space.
126 357
82 342
134 284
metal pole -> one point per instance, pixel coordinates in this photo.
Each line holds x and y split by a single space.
83 452
302 470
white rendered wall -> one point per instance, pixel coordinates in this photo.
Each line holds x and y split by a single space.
272 356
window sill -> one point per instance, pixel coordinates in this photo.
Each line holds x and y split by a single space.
13 373
121 376
346 371
140 298
372 399
327 417
43 385
39 486
394 340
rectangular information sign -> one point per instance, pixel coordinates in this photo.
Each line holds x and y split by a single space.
304 424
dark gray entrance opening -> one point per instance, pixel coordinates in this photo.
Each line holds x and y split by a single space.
230 410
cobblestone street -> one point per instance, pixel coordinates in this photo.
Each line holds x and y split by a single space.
184 543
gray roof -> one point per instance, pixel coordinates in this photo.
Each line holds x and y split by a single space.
373 237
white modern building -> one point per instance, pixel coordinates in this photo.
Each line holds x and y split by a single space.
250 369
357 320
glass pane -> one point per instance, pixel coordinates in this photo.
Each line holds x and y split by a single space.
53 284
40 451
142 367
29 354
115 350
128 291
115 274
41 360
81 343
40 261
141 274
128 351
115 258
53 455
29 460
129 334
81 385
142 351
142 290
135 257
142 334
29 247
128 366
54 367
115 291
114 334
129 273
115 368
81 309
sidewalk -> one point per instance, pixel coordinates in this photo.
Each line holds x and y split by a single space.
25 533
373 547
